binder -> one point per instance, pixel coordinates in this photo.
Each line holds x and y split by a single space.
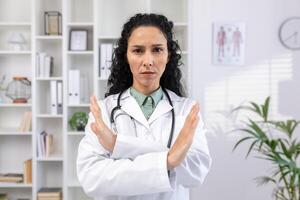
103 53
109 51
37 64
47 66
53 94
76 86
70 88
42 56
59 98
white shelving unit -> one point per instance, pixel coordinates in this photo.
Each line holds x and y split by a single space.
103 19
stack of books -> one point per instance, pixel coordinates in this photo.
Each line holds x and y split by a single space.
44 144
11 178
44 65
49 194
3 196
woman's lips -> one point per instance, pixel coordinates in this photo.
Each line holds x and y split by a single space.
148 73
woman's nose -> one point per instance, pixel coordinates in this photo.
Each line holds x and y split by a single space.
148 60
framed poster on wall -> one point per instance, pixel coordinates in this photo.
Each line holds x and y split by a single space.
228 43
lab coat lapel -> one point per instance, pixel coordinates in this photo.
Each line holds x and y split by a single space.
162 107
132 108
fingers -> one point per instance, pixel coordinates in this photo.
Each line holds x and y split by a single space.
193 117
95 109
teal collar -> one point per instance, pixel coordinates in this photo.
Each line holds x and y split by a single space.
141 98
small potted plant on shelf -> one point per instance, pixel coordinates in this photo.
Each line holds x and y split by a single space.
275 142
78 121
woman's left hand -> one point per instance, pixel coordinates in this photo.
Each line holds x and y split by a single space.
105 135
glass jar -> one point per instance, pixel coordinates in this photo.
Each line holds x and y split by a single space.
19 90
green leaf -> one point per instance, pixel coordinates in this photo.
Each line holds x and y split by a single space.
251 147
256 108
240 141
263 180
265 109
284 149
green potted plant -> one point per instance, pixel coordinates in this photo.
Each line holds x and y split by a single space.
78 121
274 142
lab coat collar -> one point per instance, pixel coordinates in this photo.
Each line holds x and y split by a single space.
131 107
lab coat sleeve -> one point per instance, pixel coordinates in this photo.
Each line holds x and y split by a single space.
101 175
194 168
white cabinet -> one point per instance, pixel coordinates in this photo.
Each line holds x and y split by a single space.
103 19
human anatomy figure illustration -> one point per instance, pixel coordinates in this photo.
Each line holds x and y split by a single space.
221 40
237 39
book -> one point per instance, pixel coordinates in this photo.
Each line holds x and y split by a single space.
28 171
11 177
49 198
25 124
53 94
49 192
49 144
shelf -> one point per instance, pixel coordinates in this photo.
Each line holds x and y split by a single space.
48 116
80 24
76 133
15 52
102 79
74 184
13 105
15 185
178 24
108 37
49 79
15 133
15 24
80 52
49 37
79 105
46 159
184 52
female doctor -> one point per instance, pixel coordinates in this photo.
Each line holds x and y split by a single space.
144 140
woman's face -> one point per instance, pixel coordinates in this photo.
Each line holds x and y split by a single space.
147 56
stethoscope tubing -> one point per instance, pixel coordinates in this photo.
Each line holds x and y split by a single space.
118 107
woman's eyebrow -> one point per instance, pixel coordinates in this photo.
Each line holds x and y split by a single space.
142 46
137 46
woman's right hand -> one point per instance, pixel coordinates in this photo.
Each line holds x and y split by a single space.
184 140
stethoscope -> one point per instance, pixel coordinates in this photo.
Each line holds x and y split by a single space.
118 107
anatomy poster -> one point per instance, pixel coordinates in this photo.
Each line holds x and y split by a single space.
229 43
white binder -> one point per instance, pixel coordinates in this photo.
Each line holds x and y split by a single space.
53 94
109 51
70 88
76 86
103 61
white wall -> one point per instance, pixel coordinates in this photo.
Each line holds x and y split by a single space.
269 69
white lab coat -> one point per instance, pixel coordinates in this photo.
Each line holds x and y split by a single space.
137 167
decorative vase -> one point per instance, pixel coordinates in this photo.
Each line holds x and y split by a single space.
19 90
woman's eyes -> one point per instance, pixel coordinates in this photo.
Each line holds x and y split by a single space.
154 50
158 49
137 51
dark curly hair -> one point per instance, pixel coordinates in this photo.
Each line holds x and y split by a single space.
121 78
